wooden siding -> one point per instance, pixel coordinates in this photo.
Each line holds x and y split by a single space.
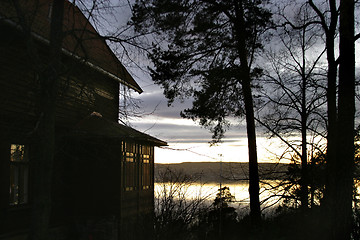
88 184
88 173
81 89
97 176
94 178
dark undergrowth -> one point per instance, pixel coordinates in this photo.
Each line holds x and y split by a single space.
292 224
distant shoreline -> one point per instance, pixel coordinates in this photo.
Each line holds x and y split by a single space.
218 162
214 172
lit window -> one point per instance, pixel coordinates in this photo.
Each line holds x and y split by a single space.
130 166
129 157
19 175
146 158
146 169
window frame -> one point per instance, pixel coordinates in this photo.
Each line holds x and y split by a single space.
146 161
19 177
130 166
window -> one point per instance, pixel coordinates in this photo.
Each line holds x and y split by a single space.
19 175
146 169
130 166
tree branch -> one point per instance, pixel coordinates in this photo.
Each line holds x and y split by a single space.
357 36
278 135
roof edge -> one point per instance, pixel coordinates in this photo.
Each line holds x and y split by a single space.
96 126
95 67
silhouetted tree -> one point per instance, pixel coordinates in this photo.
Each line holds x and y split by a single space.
206 50
341 112
341 198
221 219
294 91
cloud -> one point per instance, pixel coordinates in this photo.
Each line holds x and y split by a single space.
188 132
156 103
174 132
165 122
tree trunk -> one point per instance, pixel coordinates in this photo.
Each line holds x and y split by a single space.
304 192
253 164
331 166
332 120
42 164
330 193
255 212
342 202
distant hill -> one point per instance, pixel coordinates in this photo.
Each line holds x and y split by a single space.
207 172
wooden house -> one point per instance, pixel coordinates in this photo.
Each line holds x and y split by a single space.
103 181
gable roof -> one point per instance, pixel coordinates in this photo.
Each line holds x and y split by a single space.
96 126
81 40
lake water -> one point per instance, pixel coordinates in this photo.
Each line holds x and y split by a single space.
270 192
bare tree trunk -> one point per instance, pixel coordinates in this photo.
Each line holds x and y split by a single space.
332 112
304 195
330 32
331 163
42 165
342 202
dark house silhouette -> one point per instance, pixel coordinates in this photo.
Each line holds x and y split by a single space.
103 182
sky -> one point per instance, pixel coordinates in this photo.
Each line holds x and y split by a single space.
188 142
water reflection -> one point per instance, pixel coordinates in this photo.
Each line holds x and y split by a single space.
270 193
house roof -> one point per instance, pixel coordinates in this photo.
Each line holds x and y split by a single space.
96 126
81 40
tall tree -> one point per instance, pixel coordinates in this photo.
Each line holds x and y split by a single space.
295 91
341 113
207 52
341 201
328 19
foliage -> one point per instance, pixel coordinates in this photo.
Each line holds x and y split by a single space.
207 52
198 55
218 222
223 197
222 219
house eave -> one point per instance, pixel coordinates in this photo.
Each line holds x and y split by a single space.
68 53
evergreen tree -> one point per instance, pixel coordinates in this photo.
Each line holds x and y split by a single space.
206 49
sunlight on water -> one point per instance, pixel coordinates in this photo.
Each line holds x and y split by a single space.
269 195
